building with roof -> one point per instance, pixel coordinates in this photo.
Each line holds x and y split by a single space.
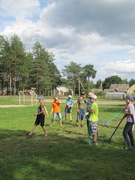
119 87
117 91
62 90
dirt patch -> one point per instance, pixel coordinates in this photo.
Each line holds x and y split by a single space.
63 101
9 106
111 102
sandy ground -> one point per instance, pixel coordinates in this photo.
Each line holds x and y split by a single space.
63 101
12 105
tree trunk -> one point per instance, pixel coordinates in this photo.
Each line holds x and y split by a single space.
10 84
88 83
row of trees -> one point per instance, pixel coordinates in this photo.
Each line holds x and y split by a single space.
75 74
79 78
116 80
20 70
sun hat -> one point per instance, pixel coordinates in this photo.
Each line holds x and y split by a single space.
41 98
90 93
83 93
70 96
130 97
93 96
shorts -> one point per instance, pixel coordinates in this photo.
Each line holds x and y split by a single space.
81 114
54 116
40 119
68 110
93 128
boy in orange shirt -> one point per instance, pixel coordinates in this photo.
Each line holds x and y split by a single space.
56 111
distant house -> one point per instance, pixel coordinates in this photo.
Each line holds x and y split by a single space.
115 95
61 90
117 91
119 87
106 90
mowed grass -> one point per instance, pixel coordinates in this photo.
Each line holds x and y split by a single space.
65 153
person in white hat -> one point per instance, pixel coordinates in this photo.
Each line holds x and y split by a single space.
94 119
68 108
87 114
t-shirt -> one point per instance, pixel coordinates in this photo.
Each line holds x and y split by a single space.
131 109
89 104
94 116
81 103
70 102
40 108
56 106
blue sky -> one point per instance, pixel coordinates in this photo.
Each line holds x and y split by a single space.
99 32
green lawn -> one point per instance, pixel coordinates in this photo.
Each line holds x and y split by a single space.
65 153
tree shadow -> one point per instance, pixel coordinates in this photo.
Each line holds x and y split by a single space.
61 157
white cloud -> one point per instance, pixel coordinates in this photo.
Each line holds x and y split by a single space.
20 9
121 66
132 51
97 32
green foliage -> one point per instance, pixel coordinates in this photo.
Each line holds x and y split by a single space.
131 82
79 77
72 73
124 81
89 72
98 84
21 70
64 82
111 80
100 93
12 59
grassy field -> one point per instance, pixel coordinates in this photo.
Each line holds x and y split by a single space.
65 153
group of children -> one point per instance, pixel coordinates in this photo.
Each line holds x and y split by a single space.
85 109
40 116
92 108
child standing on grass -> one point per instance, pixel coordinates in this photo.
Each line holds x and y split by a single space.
40 119
68 108
56 111
94 119
127 132
87 114
80 105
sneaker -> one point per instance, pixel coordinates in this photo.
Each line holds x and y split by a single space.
81 125
94 143
61 126
29 136
75 125
70 120
128 148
